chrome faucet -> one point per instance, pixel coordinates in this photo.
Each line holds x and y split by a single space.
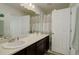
17 38
12 40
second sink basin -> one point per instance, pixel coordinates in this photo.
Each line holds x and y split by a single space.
15 44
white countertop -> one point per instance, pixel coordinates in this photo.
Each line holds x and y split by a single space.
30 39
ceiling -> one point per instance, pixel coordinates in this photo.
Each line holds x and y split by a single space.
45 7
20 8
48 7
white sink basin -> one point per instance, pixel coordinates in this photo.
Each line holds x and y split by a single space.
15 44
2 40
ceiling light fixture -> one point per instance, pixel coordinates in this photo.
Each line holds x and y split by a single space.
27 4
33 6
30 4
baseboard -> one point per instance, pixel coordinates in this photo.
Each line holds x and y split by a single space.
54 53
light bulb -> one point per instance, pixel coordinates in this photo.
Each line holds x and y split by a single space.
33 6
30 4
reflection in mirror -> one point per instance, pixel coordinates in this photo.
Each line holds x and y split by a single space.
14 26
1 28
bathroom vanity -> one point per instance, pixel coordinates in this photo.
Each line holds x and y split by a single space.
37 48
35 44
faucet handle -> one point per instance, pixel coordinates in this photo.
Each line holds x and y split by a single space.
5 37
17 38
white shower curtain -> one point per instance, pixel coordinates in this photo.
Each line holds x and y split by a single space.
75 42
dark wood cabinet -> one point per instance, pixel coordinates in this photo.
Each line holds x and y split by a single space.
31 50
38 48
41 47
22 52
47 42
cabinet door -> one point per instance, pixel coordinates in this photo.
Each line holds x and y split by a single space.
41 47
47 43
22 52
61 30
31 50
